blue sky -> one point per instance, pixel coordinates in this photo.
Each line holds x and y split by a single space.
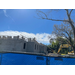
26 20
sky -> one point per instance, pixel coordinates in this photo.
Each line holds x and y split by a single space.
26 22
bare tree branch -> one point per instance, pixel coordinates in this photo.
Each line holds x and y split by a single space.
63 31
66 10
56 20
67 33
43 13
71 11
41 16
70 43
70 21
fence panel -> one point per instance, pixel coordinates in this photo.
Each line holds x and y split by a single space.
29 59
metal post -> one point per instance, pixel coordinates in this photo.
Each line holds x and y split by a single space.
1 59
47 60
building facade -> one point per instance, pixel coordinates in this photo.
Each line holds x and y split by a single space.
21 45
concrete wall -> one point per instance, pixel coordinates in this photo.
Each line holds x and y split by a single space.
6 44
36 47
19 44
41 49
45 49
12 44
30 47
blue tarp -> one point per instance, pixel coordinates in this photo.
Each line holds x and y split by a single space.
29 59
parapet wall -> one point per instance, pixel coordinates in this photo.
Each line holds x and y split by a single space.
10 37
21 38
32 40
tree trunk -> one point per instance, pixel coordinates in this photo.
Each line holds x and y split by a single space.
74 41
74 49
73 33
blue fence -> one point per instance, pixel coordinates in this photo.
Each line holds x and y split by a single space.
29 59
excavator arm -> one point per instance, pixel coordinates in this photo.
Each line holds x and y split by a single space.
59 48
63 46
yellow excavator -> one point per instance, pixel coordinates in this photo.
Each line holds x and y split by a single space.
70 52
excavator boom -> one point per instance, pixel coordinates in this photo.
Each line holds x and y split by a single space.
64 46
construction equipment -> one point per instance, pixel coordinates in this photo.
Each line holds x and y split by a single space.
70 50
50 50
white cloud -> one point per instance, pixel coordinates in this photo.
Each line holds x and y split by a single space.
5 13
41 38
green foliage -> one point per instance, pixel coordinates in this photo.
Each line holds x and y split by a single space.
49 49
64 51
61 40
56 44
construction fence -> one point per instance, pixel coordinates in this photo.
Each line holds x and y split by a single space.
29 59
